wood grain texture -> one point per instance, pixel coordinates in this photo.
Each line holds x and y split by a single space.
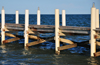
67 47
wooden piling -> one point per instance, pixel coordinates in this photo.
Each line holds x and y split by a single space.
93 40
57 42
17 17
26 26
63 18
38 16
97 18
2 25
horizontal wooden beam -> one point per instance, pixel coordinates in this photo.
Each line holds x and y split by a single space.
61 34
67 47
61 27
74 28
66 41
15 28
6 29
97 43
38 42
97 54
11 40
76 32
30 31
43 30
32 43
42 26
10 35
48 28
97 29
15 25
71 33
32 37
97 36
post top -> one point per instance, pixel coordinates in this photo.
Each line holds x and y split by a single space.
93 4
56 9
2 7
38 8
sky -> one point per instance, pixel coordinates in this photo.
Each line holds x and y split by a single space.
49 6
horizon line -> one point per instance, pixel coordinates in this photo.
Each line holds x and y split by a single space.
47 14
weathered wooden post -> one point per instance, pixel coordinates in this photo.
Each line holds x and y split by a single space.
93 20
57 42
26 26
17 17
38 16
63 18
97 18
2 25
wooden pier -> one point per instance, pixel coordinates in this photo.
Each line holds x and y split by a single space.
34 31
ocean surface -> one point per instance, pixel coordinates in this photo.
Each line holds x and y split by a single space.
44 54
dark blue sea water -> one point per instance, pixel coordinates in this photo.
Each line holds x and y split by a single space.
44 54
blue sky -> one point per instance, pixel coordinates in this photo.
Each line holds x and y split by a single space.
49 6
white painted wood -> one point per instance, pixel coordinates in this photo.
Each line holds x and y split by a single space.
97 18
2 25
63 18
57 42
26 26
93 40
38 16
17 17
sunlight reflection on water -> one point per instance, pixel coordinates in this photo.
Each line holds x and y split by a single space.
3 49
93 61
